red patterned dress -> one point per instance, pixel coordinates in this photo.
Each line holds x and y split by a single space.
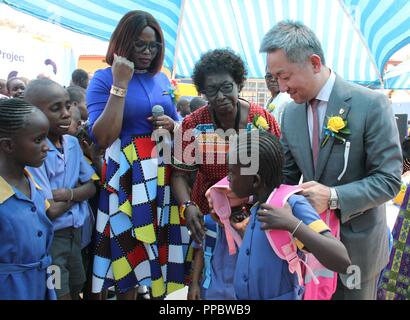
208 157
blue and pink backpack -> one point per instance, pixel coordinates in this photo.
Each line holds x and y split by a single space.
319 282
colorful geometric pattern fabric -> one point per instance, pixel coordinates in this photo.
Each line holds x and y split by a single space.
140 238
395 281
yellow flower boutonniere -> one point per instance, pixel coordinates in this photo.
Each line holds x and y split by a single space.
337 128
260 122
271 107
173 91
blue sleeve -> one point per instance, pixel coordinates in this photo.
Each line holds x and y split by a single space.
86 170
98 93
41 178
174 115
302 209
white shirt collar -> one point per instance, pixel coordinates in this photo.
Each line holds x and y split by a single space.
324 93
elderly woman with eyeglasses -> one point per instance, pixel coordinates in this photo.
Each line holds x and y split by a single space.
200 146
135 227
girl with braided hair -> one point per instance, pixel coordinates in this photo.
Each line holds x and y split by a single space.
25 230
260 274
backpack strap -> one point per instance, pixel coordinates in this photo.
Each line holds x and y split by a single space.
222 207
282 241
210 241
207 261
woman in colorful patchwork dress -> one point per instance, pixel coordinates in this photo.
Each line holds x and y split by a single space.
395 279
140 240
200 147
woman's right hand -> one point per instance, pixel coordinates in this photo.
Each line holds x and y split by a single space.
122 71
195 223
194 291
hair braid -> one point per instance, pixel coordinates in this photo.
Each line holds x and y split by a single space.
13 115
270 155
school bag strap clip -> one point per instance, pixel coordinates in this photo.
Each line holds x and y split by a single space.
222 200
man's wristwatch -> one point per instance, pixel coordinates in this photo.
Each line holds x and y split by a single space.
334 200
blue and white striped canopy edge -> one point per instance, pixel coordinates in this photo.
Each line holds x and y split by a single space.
99 18
398 77
358 36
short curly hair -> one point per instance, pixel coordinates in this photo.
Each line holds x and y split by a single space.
216 62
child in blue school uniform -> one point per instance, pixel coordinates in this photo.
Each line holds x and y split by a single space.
212 265
260 274
26 232
65 178
94 156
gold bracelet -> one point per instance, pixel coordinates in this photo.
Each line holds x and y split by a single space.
184 206
119 92
72 194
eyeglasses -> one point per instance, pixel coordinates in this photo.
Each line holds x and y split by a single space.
268 76
153 46
212 91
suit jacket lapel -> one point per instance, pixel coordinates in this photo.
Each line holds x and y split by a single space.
337 101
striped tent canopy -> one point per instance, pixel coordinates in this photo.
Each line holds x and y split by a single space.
358 36
398 77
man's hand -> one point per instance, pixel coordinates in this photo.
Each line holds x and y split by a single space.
317 194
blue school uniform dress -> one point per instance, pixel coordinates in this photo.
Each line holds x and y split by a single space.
64 170
260 273
26 234
219 266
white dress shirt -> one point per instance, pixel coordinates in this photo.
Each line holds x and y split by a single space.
323 96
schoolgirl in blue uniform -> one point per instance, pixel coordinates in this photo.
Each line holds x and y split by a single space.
65 178
260 274
25 230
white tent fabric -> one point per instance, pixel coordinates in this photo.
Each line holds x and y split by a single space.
358 36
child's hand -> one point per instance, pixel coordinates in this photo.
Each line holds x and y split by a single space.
86 149
60 195
276 218
240 226
194 291
210 202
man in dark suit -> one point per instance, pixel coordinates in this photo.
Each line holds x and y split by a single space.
353 168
